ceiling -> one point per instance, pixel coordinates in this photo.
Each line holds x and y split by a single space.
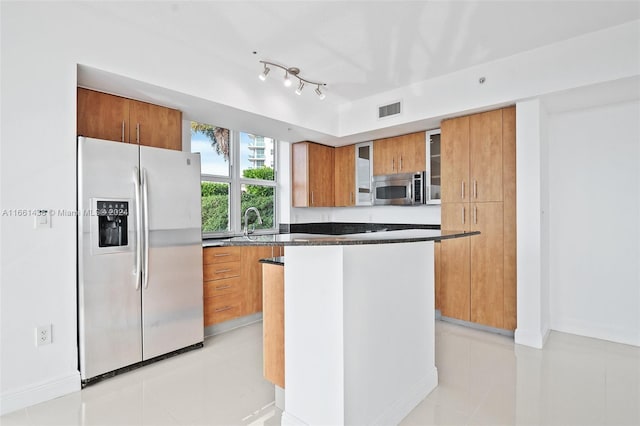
362 48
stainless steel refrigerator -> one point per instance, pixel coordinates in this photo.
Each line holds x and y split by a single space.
139 255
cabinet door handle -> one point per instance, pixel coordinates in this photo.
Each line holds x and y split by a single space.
393 164
475 215
122 130
400 163
222 271
222 254
463 215
312 202
138 133
475 189
462 190
350 197
222 287
225 308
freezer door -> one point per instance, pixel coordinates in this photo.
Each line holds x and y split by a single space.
172 303
109 298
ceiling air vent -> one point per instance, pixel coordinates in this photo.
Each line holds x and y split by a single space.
389 110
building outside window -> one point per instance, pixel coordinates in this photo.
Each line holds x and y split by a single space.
236 175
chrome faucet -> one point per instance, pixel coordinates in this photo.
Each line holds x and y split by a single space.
246 217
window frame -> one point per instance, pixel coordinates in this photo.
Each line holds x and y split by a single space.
235 181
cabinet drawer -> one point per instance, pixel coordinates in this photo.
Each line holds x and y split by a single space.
220 271
220 255
220 287
222 308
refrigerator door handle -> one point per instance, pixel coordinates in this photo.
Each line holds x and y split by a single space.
145 209
138 270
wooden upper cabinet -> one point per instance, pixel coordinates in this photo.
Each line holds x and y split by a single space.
454 156
384 150
102 116
345 179
312 175
413 157
485 156
153 125
400 154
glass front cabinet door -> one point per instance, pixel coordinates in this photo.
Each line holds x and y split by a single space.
433 166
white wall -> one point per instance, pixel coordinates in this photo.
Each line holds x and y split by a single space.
594 222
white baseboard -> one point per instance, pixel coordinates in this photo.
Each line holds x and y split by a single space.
532 338
290 420
627 335
405 403
40 392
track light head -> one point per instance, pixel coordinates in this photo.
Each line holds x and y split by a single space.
263 74
319 93
287 80
300 87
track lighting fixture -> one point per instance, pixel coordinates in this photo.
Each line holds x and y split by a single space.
263 74
288 72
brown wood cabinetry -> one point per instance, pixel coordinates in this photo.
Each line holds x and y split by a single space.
104 116
153 125
454 158
455 264
345 176
400 154
477 275
312 175
252 275
273 323
233 281
223 287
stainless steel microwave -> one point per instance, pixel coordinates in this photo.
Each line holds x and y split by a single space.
400 189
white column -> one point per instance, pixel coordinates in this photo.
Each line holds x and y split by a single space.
533 299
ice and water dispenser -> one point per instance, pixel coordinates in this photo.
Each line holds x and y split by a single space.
112 223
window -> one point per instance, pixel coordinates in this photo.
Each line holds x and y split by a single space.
228 191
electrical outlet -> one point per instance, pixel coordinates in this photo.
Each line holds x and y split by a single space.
43 335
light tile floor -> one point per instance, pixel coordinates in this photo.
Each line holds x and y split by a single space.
484 380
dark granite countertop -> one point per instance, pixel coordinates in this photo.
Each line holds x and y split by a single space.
299 239
273 260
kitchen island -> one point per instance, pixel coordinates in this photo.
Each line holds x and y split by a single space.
359 324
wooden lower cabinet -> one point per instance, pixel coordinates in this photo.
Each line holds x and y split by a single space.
487 265
455 276
273 323
252 276
233 281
